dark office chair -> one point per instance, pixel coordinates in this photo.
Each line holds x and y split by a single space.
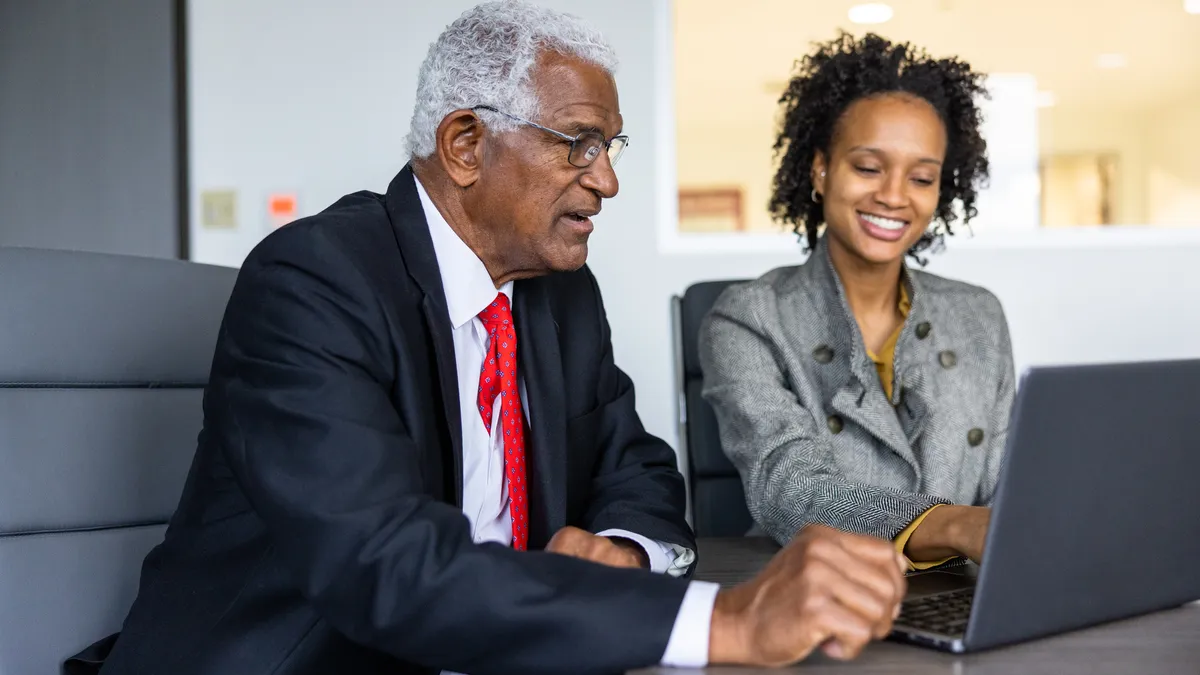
103 360
718 501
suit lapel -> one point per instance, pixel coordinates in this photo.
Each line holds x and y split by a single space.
909 359
860 400
416 247
541 368
440 332
913 409
869 409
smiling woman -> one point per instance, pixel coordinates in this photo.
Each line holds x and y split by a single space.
853 391
899 134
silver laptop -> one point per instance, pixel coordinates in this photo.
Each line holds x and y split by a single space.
1096 517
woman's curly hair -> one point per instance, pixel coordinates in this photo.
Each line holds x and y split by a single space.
844 70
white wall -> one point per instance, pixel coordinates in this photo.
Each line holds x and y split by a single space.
314 97
303 96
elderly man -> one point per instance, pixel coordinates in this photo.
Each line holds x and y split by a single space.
418 454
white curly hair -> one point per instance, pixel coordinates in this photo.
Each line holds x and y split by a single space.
486 57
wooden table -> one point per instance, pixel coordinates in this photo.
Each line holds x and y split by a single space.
1165 643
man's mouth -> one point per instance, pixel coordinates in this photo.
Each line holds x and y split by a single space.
581 220
581 215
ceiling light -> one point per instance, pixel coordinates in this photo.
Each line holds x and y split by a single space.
1111 61
1046 99
871 12
1191 6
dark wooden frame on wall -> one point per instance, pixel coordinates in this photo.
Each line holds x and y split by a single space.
183 190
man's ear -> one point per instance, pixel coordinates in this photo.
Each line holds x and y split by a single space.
460 146
818 173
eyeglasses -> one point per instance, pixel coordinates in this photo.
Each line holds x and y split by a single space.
585 147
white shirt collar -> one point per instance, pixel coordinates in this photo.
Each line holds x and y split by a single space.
468 286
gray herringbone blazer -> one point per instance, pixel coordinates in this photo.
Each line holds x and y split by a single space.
805 420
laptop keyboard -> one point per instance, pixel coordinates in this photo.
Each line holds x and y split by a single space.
944 613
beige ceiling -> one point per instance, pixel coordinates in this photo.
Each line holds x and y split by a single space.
732 58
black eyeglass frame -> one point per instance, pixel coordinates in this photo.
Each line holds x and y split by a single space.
590 141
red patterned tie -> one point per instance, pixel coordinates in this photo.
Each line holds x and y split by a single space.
498 377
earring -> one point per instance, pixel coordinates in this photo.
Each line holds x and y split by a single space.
816 197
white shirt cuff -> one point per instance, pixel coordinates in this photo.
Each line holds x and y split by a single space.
688 645
669 558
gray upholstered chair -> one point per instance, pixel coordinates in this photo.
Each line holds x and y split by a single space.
103 360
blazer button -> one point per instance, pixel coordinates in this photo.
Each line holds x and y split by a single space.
923 329
823 354
948 359
975 437
835 424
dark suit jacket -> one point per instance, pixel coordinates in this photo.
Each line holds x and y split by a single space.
320 530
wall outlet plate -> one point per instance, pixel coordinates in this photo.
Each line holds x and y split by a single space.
218 209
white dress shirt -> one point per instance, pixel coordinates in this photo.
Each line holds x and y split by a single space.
469 290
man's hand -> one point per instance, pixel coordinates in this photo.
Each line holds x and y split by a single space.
951 530
614 552
825 589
